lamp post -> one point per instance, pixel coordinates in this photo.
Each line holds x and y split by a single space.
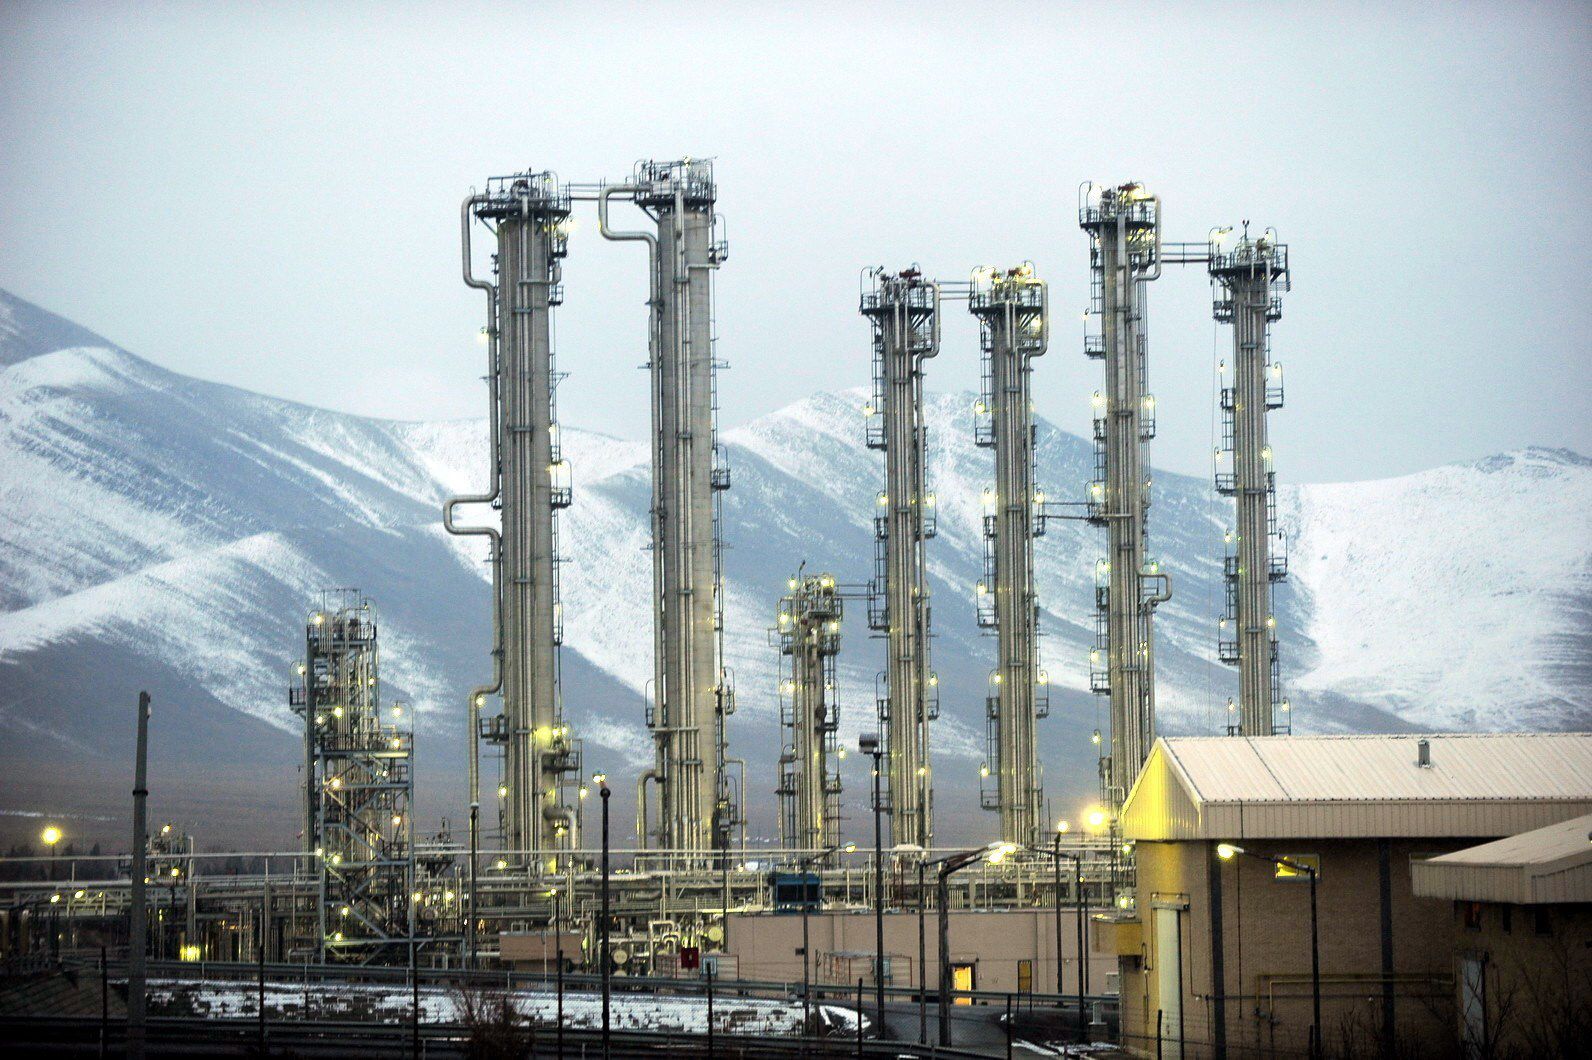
868 744
807 967
1057 854
1227 851
949 864
923 960
602 928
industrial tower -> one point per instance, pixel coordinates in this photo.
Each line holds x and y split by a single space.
698 805
358 786
904 310
1248 280
808 635
1014 327
529 214
1124 226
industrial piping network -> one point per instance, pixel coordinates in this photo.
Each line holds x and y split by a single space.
1013 310
904 311
699 788
1248 279
1124 226
698 799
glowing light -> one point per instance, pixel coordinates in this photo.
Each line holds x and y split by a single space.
503 791
190 953
850 848
50 836
1063 826
1095 739
983 771
55 899
1096 817
1226 851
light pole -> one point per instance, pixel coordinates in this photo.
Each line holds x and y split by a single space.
1227 851
602 928
137 921
807 966
868 744
1057 854
949 864
923 960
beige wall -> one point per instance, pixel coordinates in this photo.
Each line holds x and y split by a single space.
1538 983
767 946
1266 948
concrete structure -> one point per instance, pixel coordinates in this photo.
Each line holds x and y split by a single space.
1013 311
904 310
1124 226
1520 939
1216 952
991 946
1248 279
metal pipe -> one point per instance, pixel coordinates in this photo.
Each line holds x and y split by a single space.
494 435
654 339
641 806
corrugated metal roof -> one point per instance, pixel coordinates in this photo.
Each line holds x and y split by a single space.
1551 864
1478 784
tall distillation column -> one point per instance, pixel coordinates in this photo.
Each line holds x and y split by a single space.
1014 327
808 635
904 310
1124 226
697 802
529 213
1248 279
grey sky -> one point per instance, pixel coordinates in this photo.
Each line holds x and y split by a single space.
269 197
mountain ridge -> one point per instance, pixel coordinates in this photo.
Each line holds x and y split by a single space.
183 527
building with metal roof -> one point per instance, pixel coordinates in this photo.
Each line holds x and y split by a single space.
1216 945
1544 866
1447 784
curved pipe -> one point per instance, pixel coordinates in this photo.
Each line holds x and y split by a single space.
480 692
654 342
495 444
641 806
1156 275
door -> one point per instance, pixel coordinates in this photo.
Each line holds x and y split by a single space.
1473 1004
962 978
1169 981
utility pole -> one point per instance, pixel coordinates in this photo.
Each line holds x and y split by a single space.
138 925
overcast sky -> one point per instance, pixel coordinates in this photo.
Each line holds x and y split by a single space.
267 195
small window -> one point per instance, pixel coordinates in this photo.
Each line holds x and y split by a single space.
1025 977
1541 923
1472 914
1304 861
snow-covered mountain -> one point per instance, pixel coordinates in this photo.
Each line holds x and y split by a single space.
161 532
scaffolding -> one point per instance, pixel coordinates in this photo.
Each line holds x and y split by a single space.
904 311
359 787
1248 279
1014 327
1124 226
807 633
